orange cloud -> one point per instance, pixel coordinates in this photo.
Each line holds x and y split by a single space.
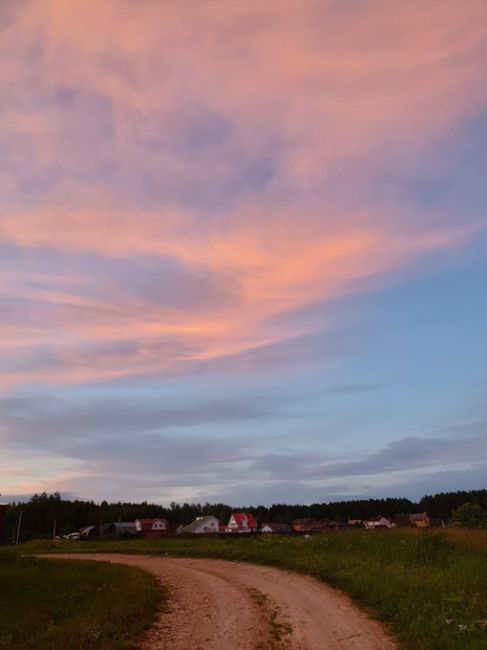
276 268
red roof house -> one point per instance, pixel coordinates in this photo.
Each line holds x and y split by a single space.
241 522
152 527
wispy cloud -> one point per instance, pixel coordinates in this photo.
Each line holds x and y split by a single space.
161 449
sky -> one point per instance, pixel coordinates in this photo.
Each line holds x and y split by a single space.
243 249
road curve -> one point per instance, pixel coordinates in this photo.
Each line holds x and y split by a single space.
221 605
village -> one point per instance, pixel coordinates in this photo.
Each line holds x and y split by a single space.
245 523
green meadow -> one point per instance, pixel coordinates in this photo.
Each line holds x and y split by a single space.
428 587
62 605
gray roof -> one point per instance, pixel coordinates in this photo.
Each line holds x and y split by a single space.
196 523
129 525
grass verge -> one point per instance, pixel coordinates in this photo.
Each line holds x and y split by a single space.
429 587
76 605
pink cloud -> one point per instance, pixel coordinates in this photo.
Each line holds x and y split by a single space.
275 111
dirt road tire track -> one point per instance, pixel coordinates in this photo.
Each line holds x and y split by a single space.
221 605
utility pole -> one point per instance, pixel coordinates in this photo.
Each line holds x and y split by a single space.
54 530
18 526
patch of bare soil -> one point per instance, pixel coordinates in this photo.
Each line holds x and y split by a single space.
220 605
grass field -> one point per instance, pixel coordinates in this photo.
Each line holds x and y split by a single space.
76 605
429 587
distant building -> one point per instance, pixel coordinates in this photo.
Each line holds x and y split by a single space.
417 520
275 528
355 523
241 522
310 526
175 529
377 522
89 531
303 525
202 526
420 520
152 527
125 528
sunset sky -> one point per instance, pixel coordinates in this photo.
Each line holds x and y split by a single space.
243 249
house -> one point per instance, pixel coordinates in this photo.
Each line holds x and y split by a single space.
377 522
275 528
125 528
89 531
420 520
241 522
417 520
107 529
310 526
202 525
355 523
302 525
152 527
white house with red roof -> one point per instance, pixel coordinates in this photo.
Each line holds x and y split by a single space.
241 522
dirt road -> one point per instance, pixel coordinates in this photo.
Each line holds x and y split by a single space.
220 605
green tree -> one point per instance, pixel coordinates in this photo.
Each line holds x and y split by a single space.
470 515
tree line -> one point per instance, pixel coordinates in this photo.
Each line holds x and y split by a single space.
45 511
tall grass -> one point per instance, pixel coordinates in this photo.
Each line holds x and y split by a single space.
476 539
429 587
76 605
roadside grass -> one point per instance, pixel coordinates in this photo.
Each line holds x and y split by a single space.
428 587
68 604
476 539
